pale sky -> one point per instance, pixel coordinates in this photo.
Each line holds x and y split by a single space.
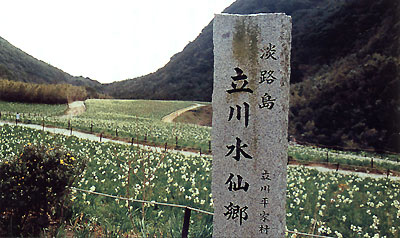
108 40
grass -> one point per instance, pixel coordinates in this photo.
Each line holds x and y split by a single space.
28 108
112 109
200 116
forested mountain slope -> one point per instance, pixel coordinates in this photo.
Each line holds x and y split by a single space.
17 65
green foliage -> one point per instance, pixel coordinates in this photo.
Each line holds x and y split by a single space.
117 109
336 205
33 186
30 108
350 106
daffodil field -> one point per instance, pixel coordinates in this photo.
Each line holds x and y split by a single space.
329 204
9 109
139 120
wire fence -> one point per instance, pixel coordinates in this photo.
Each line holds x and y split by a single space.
186 222
310 235
176 143
173 142
374 169
344 148
187 208
143 201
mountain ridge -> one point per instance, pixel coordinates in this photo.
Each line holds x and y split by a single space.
18 65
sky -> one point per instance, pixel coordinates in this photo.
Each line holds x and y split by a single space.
108 40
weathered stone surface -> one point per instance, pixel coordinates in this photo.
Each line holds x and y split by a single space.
250 121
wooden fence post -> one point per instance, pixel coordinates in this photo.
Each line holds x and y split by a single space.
186 223
327 156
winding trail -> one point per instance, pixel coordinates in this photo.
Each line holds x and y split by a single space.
172 116
93 137
346 172
74 109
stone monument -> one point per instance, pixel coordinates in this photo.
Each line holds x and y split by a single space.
250 120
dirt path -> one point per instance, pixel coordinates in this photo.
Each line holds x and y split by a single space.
347 172
75 109
172 116
94 137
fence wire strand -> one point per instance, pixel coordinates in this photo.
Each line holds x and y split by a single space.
176 205
305 234
143 201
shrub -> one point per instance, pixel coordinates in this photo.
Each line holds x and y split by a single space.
33 186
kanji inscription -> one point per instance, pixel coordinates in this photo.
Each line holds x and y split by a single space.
250 120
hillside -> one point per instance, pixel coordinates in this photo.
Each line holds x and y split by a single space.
349 94
189 74
345 62
17 65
